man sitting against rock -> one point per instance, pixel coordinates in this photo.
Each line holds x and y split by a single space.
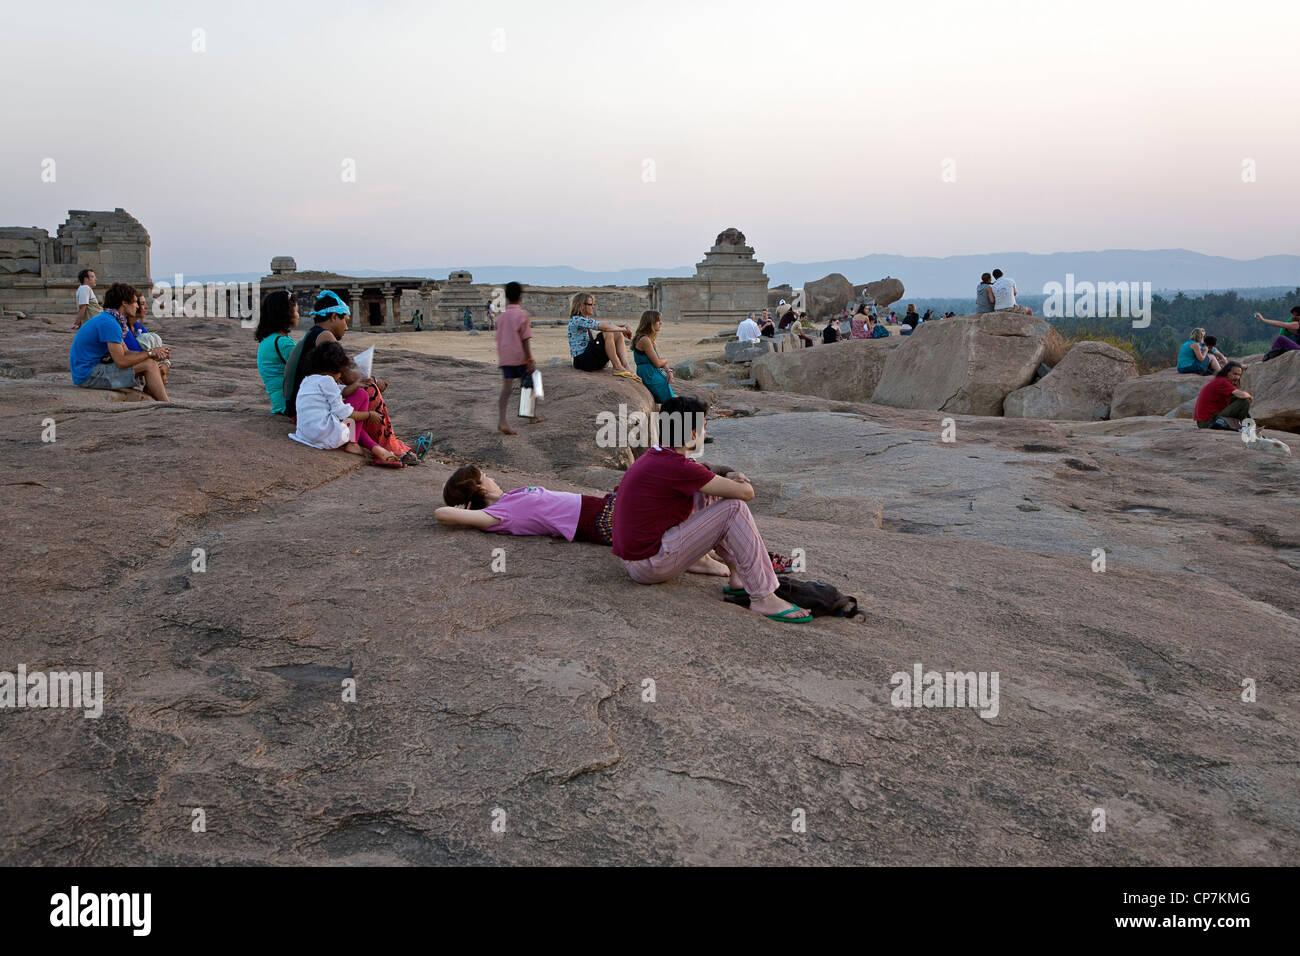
1221 404
672 512
99 357
747 330
594 344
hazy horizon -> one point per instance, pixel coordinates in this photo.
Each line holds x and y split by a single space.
515 133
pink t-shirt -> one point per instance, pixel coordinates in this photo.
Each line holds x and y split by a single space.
512 328
534 510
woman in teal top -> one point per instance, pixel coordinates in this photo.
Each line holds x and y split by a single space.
279 315
1194 358
652 370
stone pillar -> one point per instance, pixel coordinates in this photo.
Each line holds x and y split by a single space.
388 308
355 302
428 307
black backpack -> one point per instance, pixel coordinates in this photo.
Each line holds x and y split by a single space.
817 597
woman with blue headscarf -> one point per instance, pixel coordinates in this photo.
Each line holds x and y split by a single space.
331 317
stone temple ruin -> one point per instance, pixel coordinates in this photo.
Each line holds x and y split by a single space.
375 301
39 273
726 286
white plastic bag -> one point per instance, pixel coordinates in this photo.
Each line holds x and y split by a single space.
527 403
537 383
365 361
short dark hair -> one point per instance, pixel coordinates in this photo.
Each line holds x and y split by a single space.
327 358
985 277
1295 310
1223 372
465 486
997 273
678 417
1211 341
514 292
118 293
81 276
276 315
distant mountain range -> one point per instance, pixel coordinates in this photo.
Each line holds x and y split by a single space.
1165 269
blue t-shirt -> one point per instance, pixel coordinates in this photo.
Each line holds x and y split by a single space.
1187 358
90 345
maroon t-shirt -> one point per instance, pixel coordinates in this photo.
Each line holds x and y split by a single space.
657 493
1213 398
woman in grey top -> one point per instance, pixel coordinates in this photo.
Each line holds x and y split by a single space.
984 294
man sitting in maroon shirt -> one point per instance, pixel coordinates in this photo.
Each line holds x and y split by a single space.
1221 404
672 512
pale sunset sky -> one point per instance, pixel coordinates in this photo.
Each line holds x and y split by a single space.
609 135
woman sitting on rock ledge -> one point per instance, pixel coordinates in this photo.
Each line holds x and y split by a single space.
278 317
654 371
1195 359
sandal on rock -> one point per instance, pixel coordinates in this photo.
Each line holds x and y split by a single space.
783 617
422 445
729 591
410 458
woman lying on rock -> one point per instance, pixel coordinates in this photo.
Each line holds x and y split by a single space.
673 513
326 415
474 500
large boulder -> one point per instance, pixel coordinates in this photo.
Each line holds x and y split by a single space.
883 292
844 371
827 296
1077 390
1154 394
1275 385
968 364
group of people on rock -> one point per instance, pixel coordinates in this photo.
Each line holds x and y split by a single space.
316 383
1222 403
111 348
673 514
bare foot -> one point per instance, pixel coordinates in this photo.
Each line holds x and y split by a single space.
506 430
352 448
710 565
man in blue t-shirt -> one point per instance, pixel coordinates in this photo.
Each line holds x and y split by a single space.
99 358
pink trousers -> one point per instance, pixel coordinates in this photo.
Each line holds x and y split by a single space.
717 524
361 402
